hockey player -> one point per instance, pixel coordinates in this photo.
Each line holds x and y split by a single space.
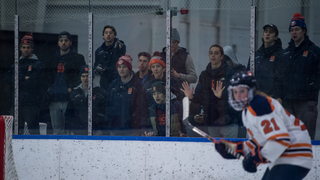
275 136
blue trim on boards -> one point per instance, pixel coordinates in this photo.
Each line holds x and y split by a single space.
129 138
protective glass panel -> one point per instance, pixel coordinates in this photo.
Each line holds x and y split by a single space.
52 51
205 32
125 39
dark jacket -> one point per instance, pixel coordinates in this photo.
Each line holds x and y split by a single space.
146 99
123 108
157 113
178 60
62 72
182 63
216 110
76 115
106 57
31 89
299 72
146 78
265 61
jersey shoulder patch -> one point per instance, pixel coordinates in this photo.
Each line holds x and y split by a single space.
261 105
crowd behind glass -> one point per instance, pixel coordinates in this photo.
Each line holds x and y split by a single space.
127 103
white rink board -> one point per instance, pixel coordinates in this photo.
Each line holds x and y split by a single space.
60 159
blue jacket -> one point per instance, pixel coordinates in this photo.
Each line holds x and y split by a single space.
216 111
157 113
30 90
123 109
146 99
107 57
76 115
62 72
299 72
265 60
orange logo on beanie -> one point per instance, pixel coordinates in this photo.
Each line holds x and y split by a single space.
293 23
86 69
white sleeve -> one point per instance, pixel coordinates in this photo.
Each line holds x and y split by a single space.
272 150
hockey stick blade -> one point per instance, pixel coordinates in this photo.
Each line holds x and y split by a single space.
229 146
197 130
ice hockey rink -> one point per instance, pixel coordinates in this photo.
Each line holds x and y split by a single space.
227 22
128 158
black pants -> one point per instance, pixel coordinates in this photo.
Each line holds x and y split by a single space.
285 172
29 114
306 111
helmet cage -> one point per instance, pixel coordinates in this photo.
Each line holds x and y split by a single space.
241 104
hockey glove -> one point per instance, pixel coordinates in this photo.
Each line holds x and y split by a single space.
229 150
253 159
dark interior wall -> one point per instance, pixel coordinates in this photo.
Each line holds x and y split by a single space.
45 45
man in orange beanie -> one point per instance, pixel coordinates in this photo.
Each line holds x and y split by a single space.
158 67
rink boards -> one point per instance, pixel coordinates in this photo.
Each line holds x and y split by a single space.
140 158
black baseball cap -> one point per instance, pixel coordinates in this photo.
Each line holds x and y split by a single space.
65 33
274 27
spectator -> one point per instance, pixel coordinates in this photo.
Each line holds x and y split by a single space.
62 71
123 110
77 108
157 112
30 86
297 87
107 55
266 57
144 72
211 93
181 63
157 67
231 59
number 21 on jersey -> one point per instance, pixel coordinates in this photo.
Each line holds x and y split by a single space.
269 126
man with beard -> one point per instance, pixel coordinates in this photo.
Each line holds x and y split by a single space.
62 75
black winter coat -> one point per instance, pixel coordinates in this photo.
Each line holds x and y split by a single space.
217 111
30 90
73 62
299 72
76 115
122 105
265 63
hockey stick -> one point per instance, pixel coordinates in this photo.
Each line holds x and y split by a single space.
231 148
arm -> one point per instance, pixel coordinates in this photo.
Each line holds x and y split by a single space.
69 116
121 48
73 74
278 79
176 87
191 75
143 105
